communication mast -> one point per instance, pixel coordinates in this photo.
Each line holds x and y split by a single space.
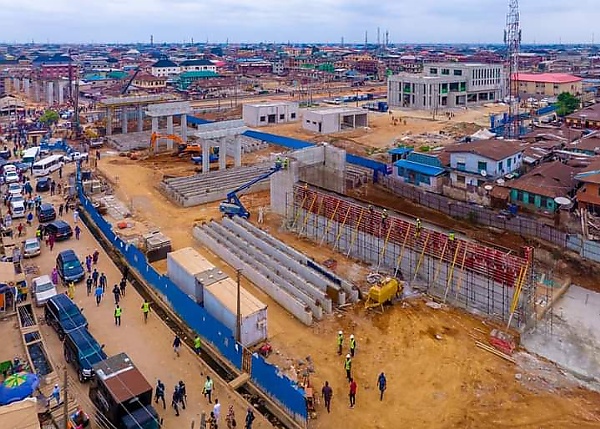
512 40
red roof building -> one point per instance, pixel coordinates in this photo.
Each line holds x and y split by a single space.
547 84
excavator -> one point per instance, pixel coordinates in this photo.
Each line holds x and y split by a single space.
181 145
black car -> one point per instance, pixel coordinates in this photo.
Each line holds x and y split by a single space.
5 154
82 351
46 213
61 230
63 315
43 184
69 267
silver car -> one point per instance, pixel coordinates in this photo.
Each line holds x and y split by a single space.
31 248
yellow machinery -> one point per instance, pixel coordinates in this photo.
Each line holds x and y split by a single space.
388 289
155 136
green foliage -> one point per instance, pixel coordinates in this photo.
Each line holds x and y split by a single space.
425 148
49 117
567 104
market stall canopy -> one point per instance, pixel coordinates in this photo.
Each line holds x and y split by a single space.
17 387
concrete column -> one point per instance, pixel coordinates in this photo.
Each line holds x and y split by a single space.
206 156
50 93
184 127
109 119
61 92
36 91
170 124
222 154
155 124
140 119
237 152
26 87
124 120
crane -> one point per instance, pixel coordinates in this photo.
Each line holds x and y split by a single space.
233 206
130 81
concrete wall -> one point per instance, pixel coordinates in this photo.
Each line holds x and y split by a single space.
259 115
321 123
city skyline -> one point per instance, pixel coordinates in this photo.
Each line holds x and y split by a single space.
326 21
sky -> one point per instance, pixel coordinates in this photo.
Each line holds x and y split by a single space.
297 21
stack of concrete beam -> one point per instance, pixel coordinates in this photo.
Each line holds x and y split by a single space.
213 186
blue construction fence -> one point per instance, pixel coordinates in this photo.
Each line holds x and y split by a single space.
277 386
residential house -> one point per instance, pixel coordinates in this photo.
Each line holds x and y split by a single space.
54 67
538 188
588 117
184 80
197 65
149 82
587 145
472 164
421 170
588 196
164 68
547 84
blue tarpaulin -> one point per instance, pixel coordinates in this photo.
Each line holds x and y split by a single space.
427 170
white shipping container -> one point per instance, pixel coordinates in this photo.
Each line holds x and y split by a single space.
220 301
182 267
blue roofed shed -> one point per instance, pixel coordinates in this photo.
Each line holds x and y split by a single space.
422 170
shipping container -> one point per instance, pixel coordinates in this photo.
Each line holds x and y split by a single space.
183 266
220 301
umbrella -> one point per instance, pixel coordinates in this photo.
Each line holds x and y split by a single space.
17 387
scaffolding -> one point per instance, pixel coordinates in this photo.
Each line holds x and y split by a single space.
457 270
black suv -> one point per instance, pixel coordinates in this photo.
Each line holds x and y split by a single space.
63 315
69 267
61 230
42 184
82 351
46 213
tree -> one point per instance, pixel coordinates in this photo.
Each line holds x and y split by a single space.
567 104
49 117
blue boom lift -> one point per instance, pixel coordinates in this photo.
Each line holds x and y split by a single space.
233 206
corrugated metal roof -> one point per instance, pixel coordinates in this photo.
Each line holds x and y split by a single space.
427 170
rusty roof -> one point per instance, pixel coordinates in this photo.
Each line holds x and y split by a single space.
552 179
591 113
121 377
496 150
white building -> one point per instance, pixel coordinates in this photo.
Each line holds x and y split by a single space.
197 65
268 113
326 121
165 68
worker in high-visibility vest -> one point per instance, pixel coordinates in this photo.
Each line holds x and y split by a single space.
418 224
146 310
286 163
352 345
451 236
278 163
197 344
348 366
118 311
384 216
340 342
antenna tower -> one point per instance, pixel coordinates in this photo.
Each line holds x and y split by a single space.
512 39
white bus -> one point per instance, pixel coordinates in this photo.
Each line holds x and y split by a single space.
31 155
47 165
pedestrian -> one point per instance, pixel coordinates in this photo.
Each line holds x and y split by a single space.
208 388
327 393
88 263
20 229
118 311
249 418
117 293
126 272
352 393
98 294
182 393
54 276
176 344
95 257
160 394
145 309
197 344
29 218
95 277
56 394
71 290
61 208
75 216
348 367
175 401
67 207
102 280
212 421
217 410
88 284
77 231
340 342
381 384
122 286
59 189
352 345
230 418
52 188
60 172
51 241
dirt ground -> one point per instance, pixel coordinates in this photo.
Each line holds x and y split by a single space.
437 377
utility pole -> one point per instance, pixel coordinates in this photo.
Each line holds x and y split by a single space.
65 401
238 320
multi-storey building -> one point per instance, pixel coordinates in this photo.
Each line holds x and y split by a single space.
54 67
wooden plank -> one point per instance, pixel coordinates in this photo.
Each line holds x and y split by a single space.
239 381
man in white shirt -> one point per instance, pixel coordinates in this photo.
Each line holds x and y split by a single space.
217 410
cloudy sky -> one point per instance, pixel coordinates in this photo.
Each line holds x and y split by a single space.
451 21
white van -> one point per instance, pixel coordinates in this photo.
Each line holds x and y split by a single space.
43 289
17 209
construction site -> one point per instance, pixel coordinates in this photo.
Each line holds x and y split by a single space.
325 249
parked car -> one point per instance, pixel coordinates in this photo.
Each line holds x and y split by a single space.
75 156
11 177
69 267
15 188
96 143
82 351
17 209
5 153
43 184
46 213
43 289
31 248
61 230
63 315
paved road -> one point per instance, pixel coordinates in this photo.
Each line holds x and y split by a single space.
148 345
